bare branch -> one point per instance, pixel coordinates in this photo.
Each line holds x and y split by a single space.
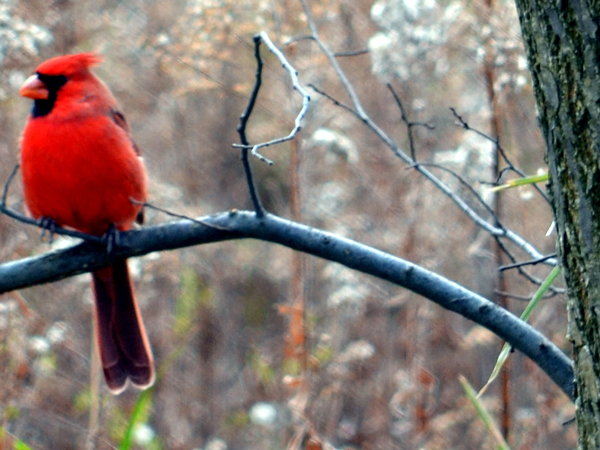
409 124
522 272
510 166
524 298
347 54
464 184
334 101
7 184
241 129
532 262
297 87
494 216
175 215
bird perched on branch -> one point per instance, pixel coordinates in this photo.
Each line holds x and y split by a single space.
82 170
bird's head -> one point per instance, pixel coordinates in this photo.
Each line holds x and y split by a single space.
50 77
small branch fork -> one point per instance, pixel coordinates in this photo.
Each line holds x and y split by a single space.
245 145
409 125
490 211
510 167
297 87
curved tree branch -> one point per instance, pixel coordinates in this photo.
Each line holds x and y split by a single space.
88 256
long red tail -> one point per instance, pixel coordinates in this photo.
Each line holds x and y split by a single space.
124 349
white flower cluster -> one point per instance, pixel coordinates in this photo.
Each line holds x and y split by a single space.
412 32
18 35
19 40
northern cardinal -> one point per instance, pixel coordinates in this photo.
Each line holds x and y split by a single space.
82 170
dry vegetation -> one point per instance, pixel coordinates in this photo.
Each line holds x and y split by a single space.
372 366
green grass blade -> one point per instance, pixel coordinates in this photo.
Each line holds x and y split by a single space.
483 413
505 352
138 415
521 182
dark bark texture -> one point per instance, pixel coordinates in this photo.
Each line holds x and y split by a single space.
562 39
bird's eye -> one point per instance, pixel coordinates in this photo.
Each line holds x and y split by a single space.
53 82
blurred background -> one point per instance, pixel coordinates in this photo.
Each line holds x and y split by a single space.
258 347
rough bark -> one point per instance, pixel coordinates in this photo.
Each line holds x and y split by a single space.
562 39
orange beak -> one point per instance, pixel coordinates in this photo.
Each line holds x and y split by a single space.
34 88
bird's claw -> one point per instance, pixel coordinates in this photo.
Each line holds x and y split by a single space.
48 226
112 239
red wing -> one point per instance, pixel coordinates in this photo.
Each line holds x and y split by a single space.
119 119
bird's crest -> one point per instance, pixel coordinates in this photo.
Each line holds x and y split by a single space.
69 64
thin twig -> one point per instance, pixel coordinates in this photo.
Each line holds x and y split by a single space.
525 298
521 270
334 101
177 216
55 230
471 213
466 185
510 166
409 124
498 223
532 262
7 184
297 87
354 53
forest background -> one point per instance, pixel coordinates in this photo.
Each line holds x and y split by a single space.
381 365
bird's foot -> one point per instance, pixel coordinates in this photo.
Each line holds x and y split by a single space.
49 226
111 239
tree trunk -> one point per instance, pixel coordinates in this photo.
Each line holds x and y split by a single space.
562 39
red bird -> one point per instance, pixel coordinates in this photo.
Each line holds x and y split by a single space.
82 170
